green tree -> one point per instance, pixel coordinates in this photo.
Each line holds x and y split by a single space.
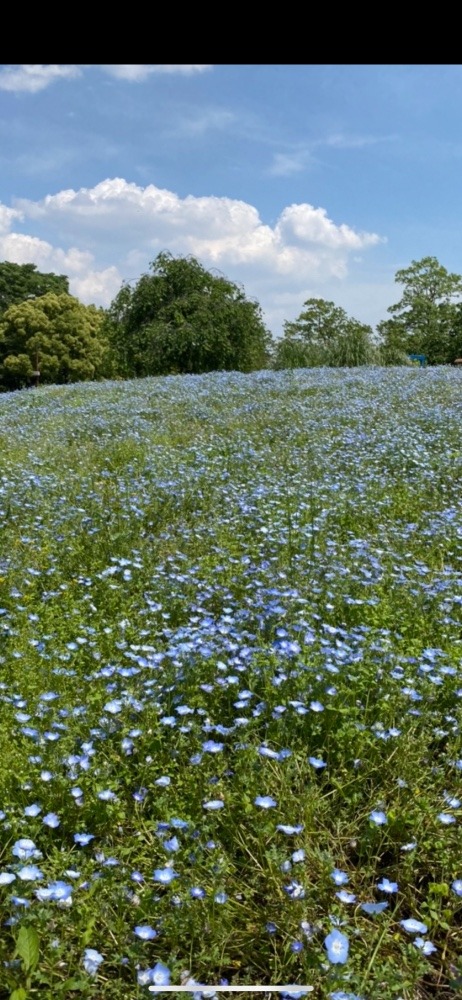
180 318
425 319
19 282
53 334
323 334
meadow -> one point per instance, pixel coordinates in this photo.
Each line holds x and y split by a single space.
231 685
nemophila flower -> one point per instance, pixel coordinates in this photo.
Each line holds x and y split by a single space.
145 932
172 844
452 801
317 763
297 946
46 775
339 877
220 897
271 928
285 866
346 897
32 810
213 804
51 820
6 878
337 947
446 819
378 817
83 839
24 849
20 901
267 752
289 830
372 908
197 893
164 781
386 886
316 706
30 873
295 890
412 926
91 961
342 995
107 796
58 892
137 877
456 886
265 802
426 947
210 746
409 847
140 795
160 975
298 856
165 875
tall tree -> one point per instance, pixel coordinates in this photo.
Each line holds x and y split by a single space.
424 319
324 334
53 334
19 282
182 318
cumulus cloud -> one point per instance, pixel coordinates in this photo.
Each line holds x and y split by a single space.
117 227
32 78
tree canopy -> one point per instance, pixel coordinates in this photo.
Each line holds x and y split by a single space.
53 334
323 334
427 318
181 318
19 282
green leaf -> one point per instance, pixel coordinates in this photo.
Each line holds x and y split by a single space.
71 984
28 947
19 994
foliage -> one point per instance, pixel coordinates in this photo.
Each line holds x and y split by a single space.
181 318
323 334
53 334
426 320
19 282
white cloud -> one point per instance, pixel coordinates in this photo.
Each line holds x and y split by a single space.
287 164
117 227
32 78
137 74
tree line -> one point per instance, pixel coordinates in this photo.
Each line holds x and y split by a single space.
182 318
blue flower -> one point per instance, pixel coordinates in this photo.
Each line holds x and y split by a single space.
220 897
172 844
337 946
295 890
145 932
289 830
165 875
339 877
82 839
24 849
386 886
456 886
372 908
413 926
160 975
30 873
426 947
32 810
317 763
378 817
197 893
6 878
91 961
265 802
446 819
213 804
51 820
346 897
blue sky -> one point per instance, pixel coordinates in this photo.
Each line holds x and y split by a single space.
296 181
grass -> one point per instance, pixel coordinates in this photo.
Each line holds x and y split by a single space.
210 587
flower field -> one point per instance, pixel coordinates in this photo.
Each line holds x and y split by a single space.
231 685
